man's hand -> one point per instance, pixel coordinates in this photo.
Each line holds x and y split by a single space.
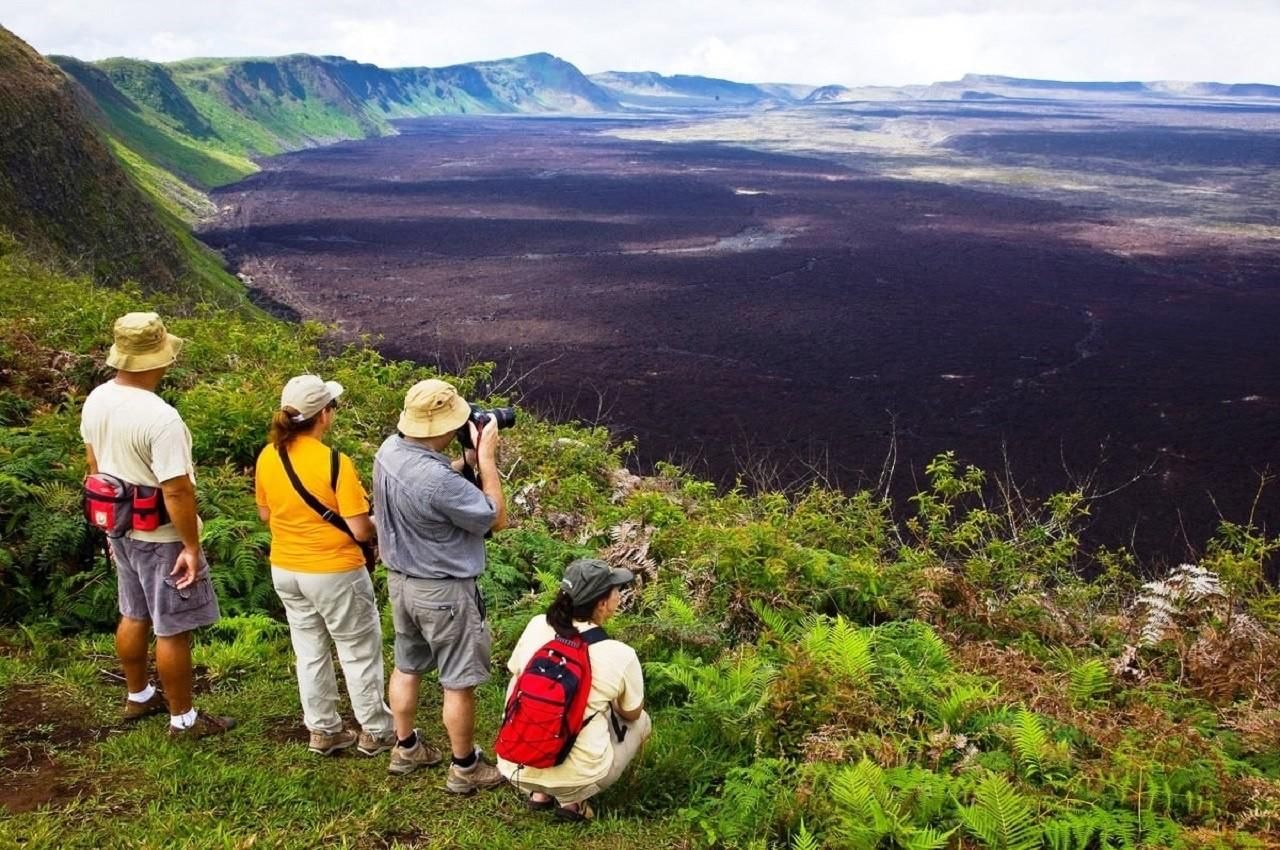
486 441
186 567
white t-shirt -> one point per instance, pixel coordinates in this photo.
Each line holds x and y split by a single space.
615 675
137 436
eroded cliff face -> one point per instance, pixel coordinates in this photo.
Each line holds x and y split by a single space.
62 192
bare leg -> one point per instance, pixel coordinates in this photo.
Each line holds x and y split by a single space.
132 637
459 715
173 660
403 696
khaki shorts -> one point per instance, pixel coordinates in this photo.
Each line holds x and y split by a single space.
440 625
145 589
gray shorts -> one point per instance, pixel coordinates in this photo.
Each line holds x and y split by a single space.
146 591
440 624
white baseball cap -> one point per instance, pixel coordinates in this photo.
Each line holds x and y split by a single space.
307 395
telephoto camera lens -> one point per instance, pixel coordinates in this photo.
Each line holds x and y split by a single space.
505 416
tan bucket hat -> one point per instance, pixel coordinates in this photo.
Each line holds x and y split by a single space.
432 408
142 343
308 395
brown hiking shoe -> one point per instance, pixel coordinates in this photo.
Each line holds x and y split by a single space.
328 743
135 711
408 760
205 725
371 745
479 775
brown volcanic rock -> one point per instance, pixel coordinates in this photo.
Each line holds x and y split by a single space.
62 193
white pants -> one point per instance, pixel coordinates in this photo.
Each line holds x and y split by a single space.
336 609
624 752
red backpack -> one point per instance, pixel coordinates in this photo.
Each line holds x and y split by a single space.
548 705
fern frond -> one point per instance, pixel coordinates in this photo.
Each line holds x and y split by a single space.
679 611
1030 743
803 839
774 621
849 649
926 838
1001 817
1089 680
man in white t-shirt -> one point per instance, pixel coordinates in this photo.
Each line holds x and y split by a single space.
163 578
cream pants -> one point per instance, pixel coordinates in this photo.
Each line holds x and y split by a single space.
624 752
327 610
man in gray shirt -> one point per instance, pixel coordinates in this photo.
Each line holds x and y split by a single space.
431 527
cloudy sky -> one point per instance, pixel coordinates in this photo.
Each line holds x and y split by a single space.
809 41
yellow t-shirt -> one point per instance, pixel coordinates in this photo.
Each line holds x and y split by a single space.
301 541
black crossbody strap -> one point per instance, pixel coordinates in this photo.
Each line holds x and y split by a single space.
312 502
333 471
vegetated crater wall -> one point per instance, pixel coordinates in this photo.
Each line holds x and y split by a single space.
782 317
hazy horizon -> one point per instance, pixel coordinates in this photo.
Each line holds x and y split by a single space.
814 42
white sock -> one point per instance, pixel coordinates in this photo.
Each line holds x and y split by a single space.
183 721
143 695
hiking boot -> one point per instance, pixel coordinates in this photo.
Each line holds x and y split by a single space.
472 779
205 725
408 760
135 711
371 745
329 743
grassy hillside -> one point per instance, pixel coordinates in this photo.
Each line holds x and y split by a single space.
61 190
150 116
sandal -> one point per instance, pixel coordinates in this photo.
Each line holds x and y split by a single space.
540 805
582 814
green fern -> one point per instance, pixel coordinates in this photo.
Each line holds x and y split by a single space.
679 611
1001 817
1039 758
803 839
957 705
843 646
872 814
1089 680
774 621
1073 830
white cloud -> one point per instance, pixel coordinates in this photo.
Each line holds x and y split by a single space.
817 41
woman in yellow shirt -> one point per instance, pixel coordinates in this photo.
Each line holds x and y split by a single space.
318 568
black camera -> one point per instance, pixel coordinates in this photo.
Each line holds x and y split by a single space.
505 417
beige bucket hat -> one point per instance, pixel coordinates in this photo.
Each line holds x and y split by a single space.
308 395
432 408
142 343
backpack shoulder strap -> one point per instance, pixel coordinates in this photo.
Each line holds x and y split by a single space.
593 635
334 456
310 500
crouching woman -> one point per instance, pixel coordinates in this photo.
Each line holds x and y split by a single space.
615 724
318 568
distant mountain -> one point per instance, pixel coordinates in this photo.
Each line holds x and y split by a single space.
204 119
977 86
542 83
63 194
844 94
650 89
829 94
787 91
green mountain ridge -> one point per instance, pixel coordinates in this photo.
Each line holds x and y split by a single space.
196 124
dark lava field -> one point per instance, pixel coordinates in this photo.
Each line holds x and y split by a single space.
783 316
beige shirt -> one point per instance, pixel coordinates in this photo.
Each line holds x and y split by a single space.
137 436
615 675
